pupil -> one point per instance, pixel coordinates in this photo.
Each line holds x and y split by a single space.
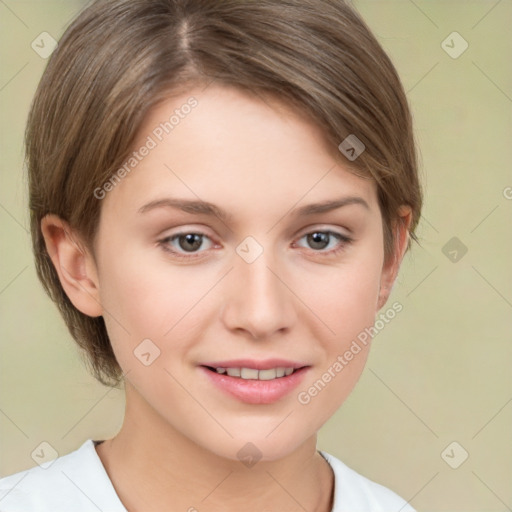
319 238
190 238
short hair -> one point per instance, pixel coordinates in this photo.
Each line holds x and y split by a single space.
120 58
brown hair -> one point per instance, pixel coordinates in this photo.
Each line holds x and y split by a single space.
119 58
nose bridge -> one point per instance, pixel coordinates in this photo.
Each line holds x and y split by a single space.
258 301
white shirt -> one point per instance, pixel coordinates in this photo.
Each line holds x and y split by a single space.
78 482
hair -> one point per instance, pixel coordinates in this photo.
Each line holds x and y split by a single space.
120 58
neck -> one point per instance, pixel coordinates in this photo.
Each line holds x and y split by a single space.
153 466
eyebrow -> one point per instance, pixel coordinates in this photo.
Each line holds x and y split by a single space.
206 208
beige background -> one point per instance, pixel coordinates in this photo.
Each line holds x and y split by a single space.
438 373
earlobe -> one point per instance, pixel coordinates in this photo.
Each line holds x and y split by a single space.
400 241
74 265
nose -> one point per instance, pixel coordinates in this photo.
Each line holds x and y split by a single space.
258 300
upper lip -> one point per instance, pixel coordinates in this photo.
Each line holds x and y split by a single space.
252 363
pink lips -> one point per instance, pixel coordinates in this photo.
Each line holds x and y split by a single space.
254 391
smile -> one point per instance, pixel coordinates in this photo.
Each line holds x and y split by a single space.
255 386
255 374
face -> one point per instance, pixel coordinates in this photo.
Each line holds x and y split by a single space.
256 279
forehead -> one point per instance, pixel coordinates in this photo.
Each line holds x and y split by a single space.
219 142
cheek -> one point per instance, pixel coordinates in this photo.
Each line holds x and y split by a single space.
345 298
348 307
359 295
143 300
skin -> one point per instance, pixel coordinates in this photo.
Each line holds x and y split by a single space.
258 160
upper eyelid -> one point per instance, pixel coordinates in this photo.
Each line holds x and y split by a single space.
342 237
303 232
323 228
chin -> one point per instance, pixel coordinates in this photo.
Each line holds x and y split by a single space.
251 449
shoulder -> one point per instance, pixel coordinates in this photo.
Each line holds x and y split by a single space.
355 493
76 481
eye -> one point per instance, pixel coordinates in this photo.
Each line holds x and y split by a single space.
319 240
187 244
184 245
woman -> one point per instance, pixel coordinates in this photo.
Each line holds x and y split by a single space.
221 195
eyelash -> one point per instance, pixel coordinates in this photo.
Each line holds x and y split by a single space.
344 241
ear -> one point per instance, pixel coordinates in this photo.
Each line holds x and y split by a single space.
74 264
400 241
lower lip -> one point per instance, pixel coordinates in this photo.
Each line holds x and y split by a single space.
252 391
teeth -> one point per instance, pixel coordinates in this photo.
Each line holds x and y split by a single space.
252 373
267 374
248 373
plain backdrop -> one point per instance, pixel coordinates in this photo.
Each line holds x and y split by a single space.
438 385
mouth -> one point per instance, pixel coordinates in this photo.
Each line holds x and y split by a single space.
240 372
246 383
